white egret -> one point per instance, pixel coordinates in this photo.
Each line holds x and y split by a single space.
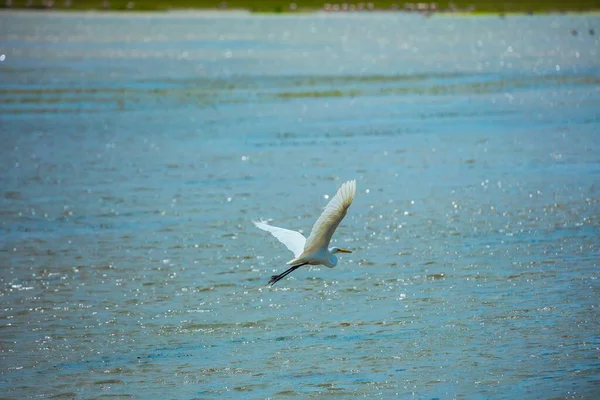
314 250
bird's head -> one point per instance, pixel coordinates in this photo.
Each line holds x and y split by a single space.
334 250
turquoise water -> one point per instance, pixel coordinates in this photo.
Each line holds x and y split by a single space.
136 150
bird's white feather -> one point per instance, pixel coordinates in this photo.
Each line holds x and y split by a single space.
328 221
293 240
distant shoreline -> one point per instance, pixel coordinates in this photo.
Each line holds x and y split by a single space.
245 11
287 7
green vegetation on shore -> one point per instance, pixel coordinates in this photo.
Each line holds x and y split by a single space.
477 6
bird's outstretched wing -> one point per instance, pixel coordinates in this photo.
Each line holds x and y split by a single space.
334 212
291 239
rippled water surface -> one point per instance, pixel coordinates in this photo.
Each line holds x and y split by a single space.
136 149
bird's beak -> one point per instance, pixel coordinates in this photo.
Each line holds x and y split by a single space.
344 251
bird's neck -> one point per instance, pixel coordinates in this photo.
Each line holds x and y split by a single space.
332 260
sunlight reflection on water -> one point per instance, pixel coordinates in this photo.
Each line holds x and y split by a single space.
130 175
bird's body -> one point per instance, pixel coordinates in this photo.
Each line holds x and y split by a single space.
314 250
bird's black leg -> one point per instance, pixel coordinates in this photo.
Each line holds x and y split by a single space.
276 278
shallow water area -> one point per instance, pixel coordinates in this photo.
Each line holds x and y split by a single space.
136 150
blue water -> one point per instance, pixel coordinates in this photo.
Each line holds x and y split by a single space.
137 148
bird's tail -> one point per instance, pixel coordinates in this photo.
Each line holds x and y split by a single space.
295 261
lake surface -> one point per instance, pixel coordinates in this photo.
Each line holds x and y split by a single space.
137 148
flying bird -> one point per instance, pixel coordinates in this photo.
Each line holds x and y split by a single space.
314 250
